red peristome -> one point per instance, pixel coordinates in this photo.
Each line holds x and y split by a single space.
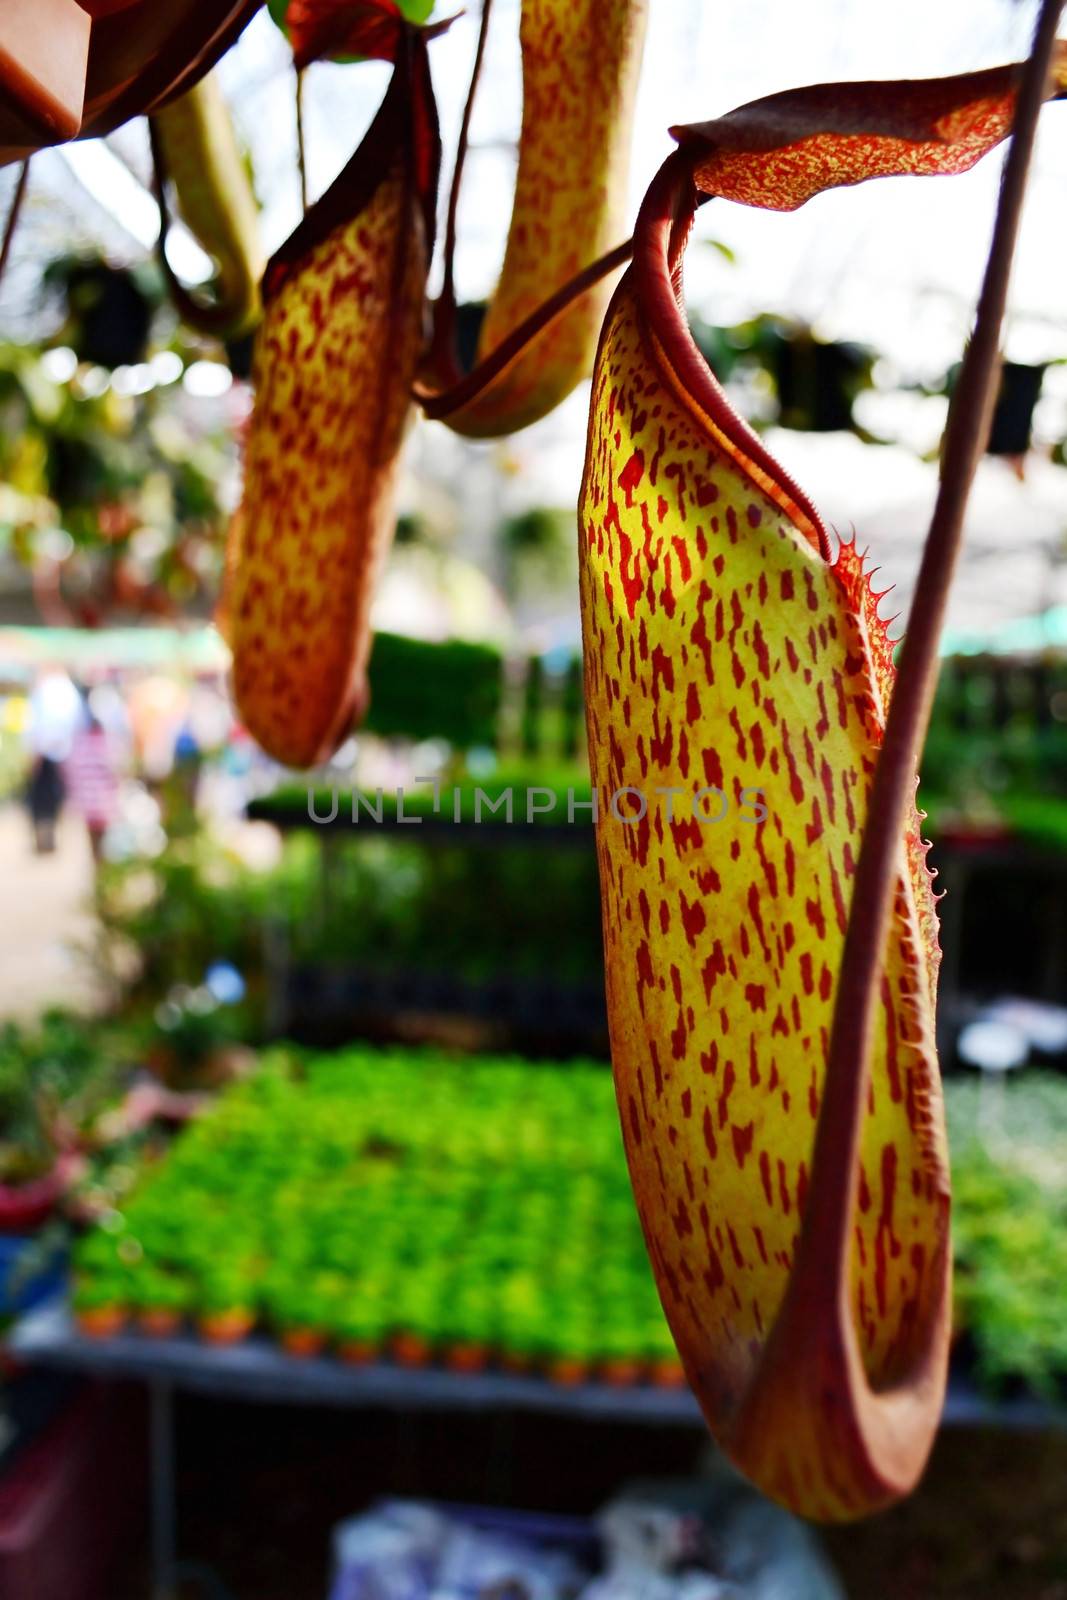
776 153
666 220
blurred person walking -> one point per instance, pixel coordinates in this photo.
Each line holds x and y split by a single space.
56 712
92 779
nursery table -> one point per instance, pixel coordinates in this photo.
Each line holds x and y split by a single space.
259 1370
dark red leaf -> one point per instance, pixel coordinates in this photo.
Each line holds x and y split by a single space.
319 29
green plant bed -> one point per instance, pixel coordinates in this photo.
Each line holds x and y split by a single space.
1040 819
475 1206
1019 757
1036 819
479 1209
1014 775
1009 1169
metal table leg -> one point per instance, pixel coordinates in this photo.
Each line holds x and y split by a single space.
164 1518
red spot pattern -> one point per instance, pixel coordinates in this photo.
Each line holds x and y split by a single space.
580 66
770 662
335 358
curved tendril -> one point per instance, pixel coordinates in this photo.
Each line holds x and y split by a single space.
440 403
198 313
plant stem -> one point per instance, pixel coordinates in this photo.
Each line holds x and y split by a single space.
301 160
444 351
13 214
834 1167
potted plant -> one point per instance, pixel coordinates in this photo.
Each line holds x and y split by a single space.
522 1342
99 1306
575 1351
618 1355
359 1328
410 1349
226 1306
465 1323
303 1341
33 1173
301 1309
414 1312
102 1268
161 1300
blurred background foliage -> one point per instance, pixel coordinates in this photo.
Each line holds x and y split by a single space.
114 488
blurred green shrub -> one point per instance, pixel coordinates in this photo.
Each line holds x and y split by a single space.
450 690
377 901
54 1076
1009 1143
